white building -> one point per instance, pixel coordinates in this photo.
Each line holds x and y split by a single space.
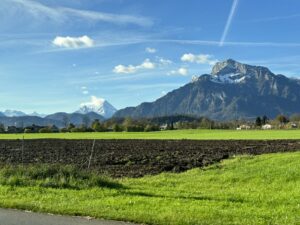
266 127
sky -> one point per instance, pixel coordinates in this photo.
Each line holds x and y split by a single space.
57 54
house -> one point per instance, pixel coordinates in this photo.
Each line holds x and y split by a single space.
266 127
245 127
163 127
294 125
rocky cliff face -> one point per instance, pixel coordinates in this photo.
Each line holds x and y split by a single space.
233 90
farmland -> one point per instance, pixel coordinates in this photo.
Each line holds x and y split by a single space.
243 190
199 134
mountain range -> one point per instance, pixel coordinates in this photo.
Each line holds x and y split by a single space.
85 115
232 90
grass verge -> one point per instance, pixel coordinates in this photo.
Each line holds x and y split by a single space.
260 190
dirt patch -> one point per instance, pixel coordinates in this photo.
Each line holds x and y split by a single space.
135 158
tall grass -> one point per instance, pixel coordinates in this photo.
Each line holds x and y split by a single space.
53 176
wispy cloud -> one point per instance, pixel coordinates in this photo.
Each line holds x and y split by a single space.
229 21
84 90
230 43
63 14
274 18
180 71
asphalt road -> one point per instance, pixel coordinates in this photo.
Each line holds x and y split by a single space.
15 217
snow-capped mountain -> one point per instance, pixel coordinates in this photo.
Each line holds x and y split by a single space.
97 105
37 114
17 113
12 113
231 91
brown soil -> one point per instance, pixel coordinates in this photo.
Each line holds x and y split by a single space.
135 158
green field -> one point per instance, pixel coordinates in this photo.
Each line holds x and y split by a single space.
175 134
248 190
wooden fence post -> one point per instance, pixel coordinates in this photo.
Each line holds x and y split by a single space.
91 156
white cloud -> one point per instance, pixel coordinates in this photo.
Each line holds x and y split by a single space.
164 62
94 102
151 50
85 92
63 14
147 64
181 71
125 69
73 42
200 59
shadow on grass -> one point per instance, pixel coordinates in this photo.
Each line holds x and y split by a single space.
197 198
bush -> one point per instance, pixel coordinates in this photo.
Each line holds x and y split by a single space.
149 128
64 130
45 130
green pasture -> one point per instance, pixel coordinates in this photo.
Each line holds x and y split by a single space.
246 190
198 134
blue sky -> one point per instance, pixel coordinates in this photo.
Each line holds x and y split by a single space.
56 54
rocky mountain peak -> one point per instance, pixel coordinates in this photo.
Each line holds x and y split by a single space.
97 105
231 66
228 66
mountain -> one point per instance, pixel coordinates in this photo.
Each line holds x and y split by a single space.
99 106
75 118
16 113
12 113
23 121
232 90
37 114
57 119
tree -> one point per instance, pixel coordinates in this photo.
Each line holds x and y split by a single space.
71 126
65 120
97 126
150 127
45 130
86 120
117 128
258 121
295 117
2 128
282 119
264 120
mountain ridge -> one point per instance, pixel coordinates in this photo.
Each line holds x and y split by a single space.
232 90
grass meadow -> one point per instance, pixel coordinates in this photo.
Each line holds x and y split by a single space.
199 134
248 190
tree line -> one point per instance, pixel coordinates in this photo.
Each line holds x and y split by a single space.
155 124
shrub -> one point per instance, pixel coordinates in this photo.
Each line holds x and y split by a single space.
45 130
